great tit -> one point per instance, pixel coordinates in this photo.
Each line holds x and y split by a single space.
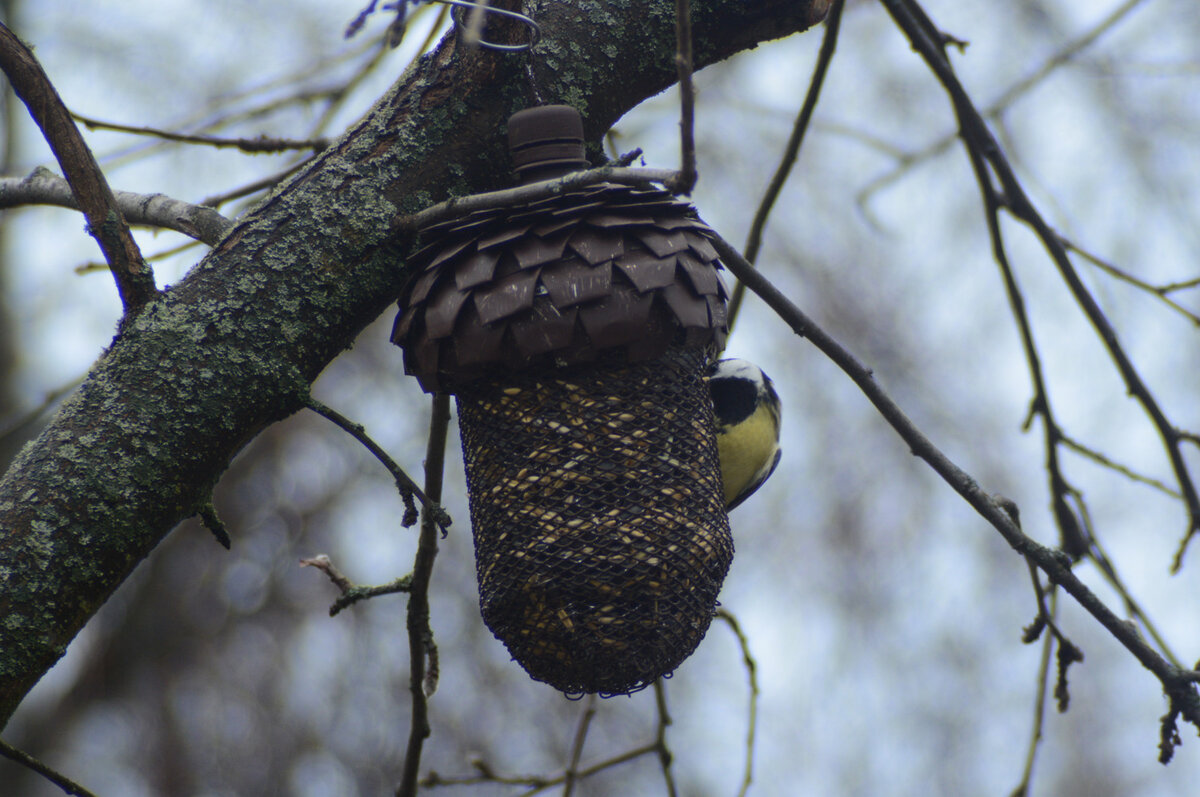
747 411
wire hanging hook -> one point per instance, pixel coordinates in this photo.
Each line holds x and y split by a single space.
460 7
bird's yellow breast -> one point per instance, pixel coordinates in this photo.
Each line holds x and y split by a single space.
746 450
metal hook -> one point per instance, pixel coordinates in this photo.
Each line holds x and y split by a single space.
460 7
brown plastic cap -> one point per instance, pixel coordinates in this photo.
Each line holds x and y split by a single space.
546 141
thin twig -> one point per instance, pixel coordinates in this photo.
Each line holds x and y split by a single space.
461 206
1005 101
431 36
1162 292
581 730
133 275
686 180
256 145
212 521
353 593
754 239
1109 571
1077 536
44 187
660 736
358 593
752 677
423 679
1182 285
573 774
1070 537
1068 653
18 423
1124 470
1039 709
407 487
171 251
536 783
270 181
325 565
61 781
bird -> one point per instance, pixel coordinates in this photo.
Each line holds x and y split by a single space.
748 418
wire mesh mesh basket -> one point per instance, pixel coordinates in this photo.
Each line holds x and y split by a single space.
601 539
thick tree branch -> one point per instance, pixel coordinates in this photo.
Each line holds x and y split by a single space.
135 280
233 346
44 187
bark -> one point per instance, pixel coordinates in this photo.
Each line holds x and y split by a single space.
234 346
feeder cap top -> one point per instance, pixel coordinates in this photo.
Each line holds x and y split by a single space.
546 136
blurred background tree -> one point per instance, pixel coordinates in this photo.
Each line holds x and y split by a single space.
883 615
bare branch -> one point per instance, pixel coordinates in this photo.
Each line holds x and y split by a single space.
44 187
262 184
1124 470
259 144
1178 683
212 521
585 720
61 781
422 680
686 180
352 593
1039 707
660 736
408 488
1006 100
752 677
134 277
982 148
325 565
1163 292
783 171
461 206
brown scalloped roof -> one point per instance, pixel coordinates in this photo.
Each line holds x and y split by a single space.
542 287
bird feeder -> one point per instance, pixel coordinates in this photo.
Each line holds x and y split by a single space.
574 333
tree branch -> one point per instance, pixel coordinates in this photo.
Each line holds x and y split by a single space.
686 180
571 774
529 192
833 24
135 280
61 781
752 711
44 187
1178 684
404 483
983 148
422 652
260 144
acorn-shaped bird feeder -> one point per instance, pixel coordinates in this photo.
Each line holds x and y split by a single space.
574 333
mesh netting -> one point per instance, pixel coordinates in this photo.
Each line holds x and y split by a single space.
601 540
